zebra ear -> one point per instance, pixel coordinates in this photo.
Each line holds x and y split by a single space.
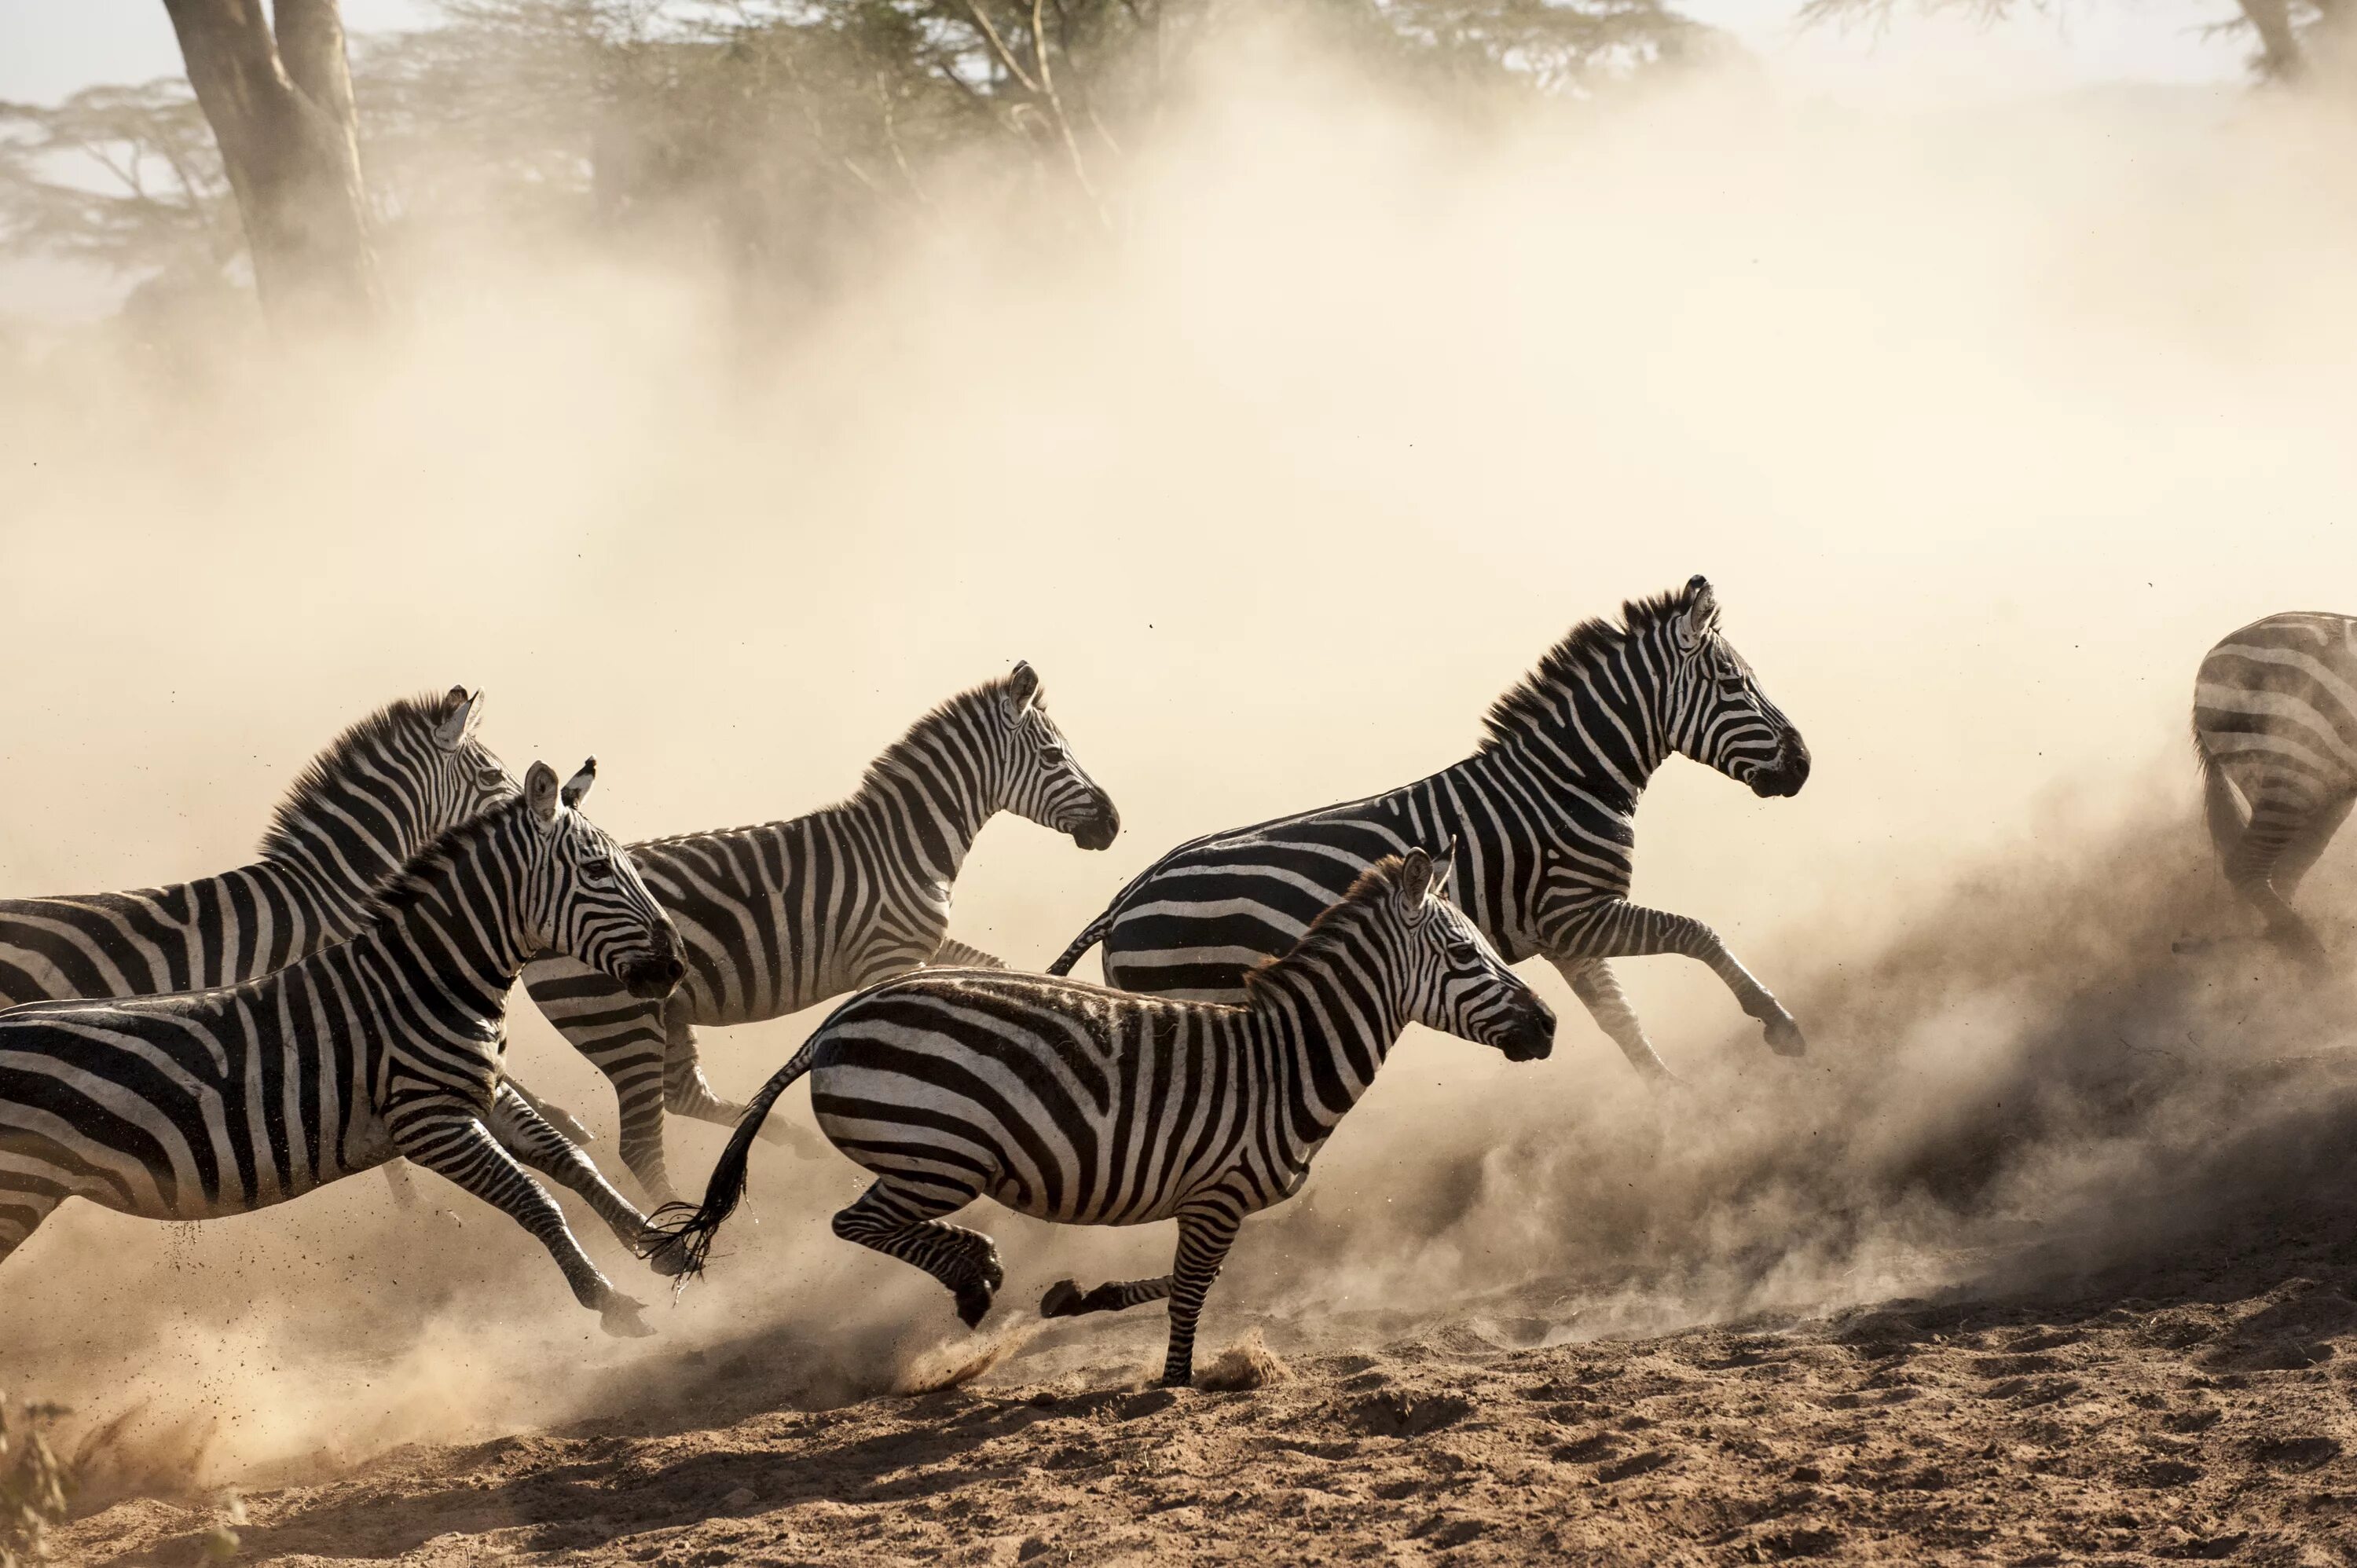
460 714
1414 882
578 785
1697 614
539 788
1022 687
1444 867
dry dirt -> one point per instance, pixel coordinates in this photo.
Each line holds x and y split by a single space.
2199 1410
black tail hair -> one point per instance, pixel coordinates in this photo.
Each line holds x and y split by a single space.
679 1230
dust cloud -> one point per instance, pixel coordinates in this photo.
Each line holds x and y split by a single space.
1986 423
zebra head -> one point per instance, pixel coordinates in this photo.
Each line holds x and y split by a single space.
589 901
1714 710
1039 776
1455 981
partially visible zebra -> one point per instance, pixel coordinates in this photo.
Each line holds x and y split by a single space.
780 916
378 793
1086 1106
226 1100
1543 815
2275 723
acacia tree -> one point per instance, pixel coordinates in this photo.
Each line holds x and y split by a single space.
278 91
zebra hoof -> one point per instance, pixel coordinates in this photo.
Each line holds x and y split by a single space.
619 1317
1062 1300
1785 1036
666 1255
972 1302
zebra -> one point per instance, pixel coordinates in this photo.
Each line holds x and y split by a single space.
229 1100
780 916
2275 726
1545 812
377 794
1087 1106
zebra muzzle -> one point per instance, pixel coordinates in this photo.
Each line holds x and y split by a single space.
653 976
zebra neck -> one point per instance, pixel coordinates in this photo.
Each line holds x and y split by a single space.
453 926
1327 1032
1572 771
927 812
333 857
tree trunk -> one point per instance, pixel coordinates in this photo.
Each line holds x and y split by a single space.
281 109
2279 51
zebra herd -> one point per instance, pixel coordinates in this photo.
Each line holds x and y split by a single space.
224 1045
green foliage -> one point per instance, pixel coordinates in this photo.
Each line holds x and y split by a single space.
35 1487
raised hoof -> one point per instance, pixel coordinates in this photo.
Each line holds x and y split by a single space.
972 1302
619 1317
1062 1300
1785 1036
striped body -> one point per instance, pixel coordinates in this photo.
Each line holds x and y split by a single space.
780 916
1088 1106
1543 818
376 795
2275 723
227 1101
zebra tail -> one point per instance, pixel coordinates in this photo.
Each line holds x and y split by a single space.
679 1230
1085 942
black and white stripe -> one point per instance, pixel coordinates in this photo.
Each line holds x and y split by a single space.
1543 815
226 1100
780 916
2274 722
1093 1107
373 797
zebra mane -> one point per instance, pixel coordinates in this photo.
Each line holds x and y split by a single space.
1529 703
413 881
1379 881
416 714
895 759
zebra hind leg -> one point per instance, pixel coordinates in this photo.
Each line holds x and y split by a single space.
1065 1299
24 1201
899 1217
2278 822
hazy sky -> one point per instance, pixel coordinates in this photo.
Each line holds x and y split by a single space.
51 48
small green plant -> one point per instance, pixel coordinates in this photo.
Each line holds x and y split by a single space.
33 1485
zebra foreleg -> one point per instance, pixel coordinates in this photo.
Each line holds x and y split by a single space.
899 1219
530 1137
23 1208
1618 929
632 1061
1065 1299
441 1133
1205 1234
1599 990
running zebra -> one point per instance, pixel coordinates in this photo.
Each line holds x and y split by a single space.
226 1100
378 793
1545 814
1074 1103
780 916
2275 723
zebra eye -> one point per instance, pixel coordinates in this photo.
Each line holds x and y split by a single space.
600 871
1052 753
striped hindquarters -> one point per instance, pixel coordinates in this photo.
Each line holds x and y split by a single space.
2275 707
1061 1100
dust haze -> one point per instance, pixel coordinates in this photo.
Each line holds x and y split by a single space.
1986 423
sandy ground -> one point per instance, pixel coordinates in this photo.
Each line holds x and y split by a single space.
2200 1409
